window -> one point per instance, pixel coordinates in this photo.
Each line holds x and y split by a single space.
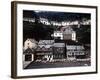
28 57
28 43
72 54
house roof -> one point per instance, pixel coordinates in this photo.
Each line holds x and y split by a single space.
46 42
32 40
44 48
59 45
28 51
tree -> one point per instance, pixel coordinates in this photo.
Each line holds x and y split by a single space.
84 34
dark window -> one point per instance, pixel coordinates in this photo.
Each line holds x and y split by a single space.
28 43
28 57
72 54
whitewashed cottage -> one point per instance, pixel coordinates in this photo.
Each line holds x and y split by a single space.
29 48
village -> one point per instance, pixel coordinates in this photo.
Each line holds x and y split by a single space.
62 47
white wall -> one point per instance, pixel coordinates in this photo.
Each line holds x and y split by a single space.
5 40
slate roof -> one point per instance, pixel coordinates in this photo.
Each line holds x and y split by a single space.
44 48
46 42
28 51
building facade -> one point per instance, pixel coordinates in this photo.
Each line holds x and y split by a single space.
59 51
44 51
75 51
